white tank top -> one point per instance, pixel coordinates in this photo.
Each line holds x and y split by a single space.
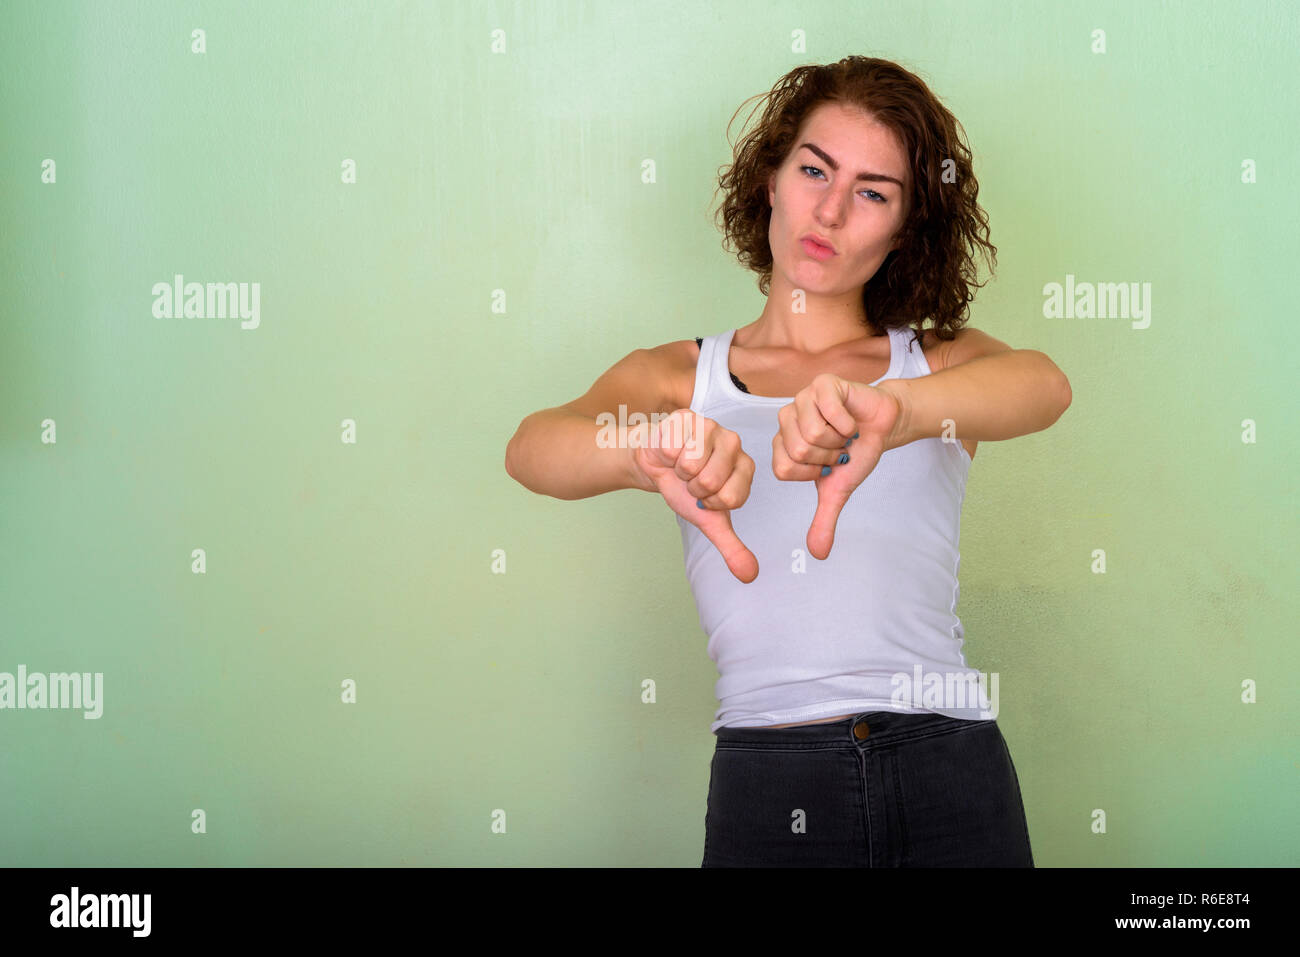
871 628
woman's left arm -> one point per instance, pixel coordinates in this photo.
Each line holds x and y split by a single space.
984 391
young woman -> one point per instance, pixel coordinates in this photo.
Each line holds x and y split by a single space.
837 425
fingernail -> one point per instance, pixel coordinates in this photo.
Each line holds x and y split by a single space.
843 458
699 504
855 435
848 443
826 470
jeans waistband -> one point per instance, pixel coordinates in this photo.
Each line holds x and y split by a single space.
866 729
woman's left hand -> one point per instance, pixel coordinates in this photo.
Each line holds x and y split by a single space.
831 420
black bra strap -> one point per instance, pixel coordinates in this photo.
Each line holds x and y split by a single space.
699 341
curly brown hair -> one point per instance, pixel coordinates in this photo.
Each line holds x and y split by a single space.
932 274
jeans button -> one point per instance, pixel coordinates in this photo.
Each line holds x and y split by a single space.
860 730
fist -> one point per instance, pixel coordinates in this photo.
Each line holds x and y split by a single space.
833 433
702 472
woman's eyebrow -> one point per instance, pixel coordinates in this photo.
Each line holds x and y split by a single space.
870 177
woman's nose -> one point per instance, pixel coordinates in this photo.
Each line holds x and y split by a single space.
830 209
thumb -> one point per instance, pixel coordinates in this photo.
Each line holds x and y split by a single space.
716 527
832 493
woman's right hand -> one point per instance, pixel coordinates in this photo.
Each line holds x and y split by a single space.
691 458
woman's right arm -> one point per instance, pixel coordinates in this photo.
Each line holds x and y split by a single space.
555 451
701 470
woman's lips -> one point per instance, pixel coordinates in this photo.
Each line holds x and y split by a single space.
816 250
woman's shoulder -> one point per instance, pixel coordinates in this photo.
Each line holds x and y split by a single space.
677 360
931 348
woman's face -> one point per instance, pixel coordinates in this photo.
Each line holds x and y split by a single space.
818 189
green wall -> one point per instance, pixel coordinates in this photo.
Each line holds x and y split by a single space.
520 170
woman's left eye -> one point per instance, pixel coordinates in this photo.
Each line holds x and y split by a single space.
809 170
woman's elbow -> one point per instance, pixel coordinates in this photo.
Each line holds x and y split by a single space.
1064 397
1063 392
512 453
